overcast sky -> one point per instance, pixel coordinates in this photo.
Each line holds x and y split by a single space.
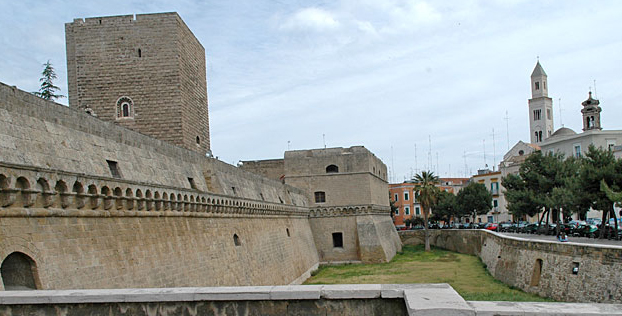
389 75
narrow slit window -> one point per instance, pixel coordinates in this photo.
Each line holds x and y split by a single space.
193 185
114 168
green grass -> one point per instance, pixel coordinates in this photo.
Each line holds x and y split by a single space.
465 273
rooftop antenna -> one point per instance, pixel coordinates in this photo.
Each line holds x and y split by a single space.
494 151
288 142
466 167
484 142
561 121
436 169
430 152
507 128
392 164
595 97
416 169
324 139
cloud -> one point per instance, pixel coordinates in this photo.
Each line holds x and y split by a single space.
313 19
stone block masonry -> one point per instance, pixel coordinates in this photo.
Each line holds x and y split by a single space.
152 59
540 267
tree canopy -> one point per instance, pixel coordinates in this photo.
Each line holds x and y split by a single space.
474 199
48 89
552 184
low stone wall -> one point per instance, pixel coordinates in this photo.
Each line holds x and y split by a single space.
541 267
361 299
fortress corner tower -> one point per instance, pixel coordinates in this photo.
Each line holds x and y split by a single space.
144 72
540 107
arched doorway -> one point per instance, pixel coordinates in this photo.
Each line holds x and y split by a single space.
18 272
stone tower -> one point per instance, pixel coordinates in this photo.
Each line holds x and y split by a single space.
146 73
540 107
591 113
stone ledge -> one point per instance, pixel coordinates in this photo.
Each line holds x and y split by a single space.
351 291
532 308
436 301
296 292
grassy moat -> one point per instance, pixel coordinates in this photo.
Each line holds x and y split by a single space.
465 273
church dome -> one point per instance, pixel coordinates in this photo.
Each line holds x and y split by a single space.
564 131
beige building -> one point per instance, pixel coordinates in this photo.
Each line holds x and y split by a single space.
492 181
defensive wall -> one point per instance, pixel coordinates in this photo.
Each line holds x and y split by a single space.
86 203
367 233
355 300
168 217
563 271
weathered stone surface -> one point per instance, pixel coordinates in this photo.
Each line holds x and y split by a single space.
347 291
513 260
528 308
436 301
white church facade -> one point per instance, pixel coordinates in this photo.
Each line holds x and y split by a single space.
563 140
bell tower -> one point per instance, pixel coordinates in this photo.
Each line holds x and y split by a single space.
591 113
540 107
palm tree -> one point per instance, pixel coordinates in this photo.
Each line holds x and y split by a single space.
427 193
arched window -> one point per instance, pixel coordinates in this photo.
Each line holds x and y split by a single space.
125 108
332 169
18 272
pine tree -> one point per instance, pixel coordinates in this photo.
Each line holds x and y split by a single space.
48 89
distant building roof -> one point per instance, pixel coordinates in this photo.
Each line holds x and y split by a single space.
564 131
538 71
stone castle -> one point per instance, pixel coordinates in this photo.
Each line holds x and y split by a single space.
119 189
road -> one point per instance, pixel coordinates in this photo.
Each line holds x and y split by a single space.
576 240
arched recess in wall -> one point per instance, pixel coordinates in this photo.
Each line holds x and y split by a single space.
19 272
537 271
332 169
236 240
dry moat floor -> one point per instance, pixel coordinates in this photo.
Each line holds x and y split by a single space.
465 273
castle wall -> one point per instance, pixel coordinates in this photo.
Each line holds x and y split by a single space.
155 60
514 260
84 228
88 232
368 233
48 135
272 168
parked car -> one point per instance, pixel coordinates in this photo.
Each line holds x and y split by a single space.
505 227
586 230
492 227
530 228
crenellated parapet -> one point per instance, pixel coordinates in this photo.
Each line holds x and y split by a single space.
33 191
349 210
